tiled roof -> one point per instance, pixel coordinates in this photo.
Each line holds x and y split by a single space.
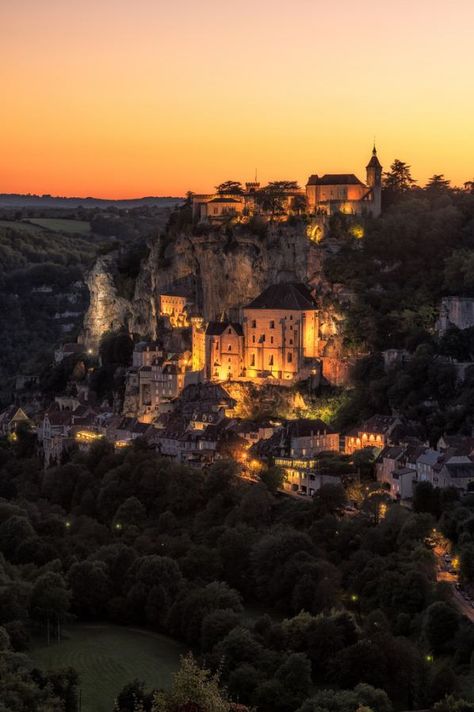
225 200
306 427
216 328
287 295
460 470
335 179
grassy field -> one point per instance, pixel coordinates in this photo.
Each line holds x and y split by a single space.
76 227
22 227
107 657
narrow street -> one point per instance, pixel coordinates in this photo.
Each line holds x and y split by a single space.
446 570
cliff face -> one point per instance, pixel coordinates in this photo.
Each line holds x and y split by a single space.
218 273
107 311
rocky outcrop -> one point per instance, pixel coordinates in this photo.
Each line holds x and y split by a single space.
107 310
218 272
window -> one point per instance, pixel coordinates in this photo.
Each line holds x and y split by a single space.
291 317
289 358
253 339
229 331
252 360
229 348
254 324
272 325
270 361
291 342
271 339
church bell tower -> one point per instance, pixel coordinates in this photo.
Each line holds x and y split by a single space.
374 181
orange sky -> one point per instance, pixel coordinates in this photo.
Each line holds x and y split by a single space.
125 98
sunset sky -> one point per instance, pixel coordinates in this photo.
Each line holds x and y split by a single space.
125 98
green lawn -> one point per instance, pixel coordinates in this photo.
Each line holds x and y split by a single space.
77 227
107 657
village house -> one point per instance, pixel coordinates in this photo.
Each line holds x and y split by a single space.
378 431
13 417
294 446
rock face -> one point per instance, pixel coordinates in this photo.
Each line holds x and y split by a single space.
217 272
455 311
107 311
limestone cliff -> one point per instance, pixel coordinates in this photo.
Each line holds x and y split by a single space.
107 310
219 273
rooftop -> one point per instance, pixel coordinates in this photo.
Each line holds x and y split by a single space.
287 295
334 179
216 328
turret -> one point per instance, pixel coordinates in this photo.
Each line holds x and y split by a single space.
374 181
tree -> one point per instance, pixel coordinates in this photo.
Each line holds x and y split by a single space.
230 187
467 563
329 499
272 478
271 198
216 625
426 499
438 184
50 597
398 179
90 587
193 688
440 625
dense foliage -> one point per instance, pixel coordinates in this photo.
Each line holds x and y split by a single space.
418 251
343 602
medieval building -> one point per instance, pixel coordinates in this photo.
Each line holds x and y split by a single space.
345 193
281 333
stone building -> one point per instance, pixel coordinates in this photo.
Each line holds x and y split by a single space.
335 192
224 351
174 307
281 333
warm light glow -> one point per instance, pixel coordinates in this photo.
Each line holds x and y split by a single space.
119 98
87 436
357 231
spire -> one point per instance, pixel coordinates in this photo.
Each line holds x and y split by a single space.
374 161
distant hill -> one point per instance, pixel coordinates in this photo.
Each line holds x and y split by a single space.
17 200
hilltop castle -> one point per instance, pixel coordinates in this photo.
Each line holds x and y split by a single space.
323 195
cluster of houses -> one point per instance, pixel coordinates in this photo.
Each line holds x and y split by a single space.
201 427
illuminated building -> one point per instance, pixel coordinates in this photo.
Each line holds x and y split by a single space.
224 351
376 432
281 333
345 193
174 307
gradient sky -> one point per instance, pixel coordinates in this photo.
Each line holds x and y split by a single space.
124 98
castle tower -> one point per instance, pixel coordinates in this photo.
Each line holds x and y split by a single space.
374 181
